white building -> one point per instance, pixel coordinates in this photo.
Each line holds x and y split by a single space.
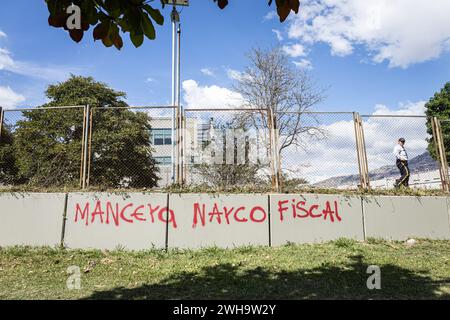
161 135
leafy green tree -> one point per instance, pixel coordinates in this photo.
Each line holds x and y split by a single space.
439 106
135 17
8 168
48 143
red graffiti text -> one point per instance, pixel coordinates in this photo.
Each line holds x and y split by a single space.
227 214
115 213
300 209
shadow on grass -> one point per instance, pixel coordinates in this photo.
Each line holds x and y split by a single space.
226 281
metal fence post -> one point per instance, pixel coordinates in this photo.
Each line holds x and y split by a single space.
440 152
273 150
364 154
182 145
361 152
83 138
178 145
2 115
89 155
85 147
277 153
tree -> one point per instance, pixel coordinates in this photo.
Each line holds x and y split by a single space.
439 106
225 157
8 168
136 17
271 83
48 144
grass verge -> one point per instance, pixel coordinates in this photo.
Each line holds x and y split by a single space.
320 271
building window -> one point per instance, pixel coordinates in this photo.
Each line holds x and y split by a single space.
163 161
162 137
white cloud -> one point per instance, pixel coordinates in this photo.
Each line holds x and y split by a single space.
149 79
278 34
402 32
234 74
2 34
408 108
295 50
270 15
196 96
304 64
30 69
5 59
207 72
9 98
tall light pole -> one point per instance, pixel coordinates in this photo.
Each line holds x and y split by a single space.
176 31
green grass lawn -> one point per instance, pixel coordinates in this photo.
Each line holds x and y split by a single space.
331 270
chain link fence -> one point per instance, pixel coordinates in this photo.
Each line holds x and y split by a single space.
225 148
317 150
444 128
381 135
131 147
41 147
142 148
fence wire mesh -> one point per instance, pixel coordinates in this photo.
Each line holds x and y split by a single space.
445 129
381 136
131 147
317 150
138 147
226 148
41 147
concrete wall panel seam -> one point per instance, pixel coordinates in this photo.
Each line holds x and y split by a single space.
64 219
166 245
269 220
363 213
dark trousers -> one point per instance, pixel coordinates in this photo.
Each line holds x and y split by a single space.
405 173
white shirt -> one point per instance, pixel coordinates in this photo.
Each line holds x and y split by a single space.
400 153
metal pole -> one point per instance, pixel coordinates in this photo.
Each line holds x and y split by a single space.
89 155
175 18
86 135
183 151
179 111
273 151
2 115
437 148
440 153
444 158
364 155
83 138
358 152
277 153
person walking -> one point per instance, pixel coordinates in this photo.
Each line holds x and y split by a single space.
402 164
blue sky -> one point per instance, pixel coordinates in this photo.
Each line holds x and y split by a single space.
376 56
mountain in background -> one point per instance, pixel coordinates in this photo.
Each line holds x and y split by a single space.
421 163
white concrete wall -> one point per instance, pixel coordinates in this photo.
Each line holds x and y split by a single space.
145 220
315 218
31 218
108 221
219 220
399 218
